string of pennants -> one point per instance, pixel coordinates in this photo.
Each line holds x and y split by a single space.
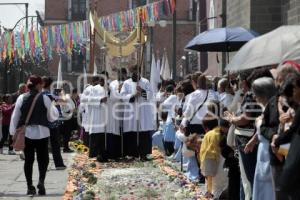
128 20
40 43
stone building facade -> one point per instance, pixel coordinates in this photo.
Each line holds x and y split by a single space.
261 16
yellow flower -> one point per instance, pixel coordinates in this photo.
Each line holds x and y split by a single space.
85 149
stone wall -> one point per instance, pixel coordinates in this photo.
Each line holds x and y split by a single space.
266 15
238 13
291 12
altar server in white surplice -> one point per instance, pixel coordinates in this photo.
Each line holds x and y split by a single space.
97 109
83 110
115 116
139 120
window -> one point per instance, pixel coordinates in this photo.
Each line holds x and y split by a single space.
77 61
137 3
194 11
78 10
211 15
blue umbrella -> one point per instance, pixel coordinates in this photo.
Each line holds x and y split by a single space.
221 39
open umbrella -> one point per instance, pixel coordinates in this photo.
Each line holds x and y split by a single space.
221 39
271 48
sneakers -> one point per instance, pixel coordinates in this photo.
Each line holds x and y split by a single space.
31 191
42 190
11 152
63 167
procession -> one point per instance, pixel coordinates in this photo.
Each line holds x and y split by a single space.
163 99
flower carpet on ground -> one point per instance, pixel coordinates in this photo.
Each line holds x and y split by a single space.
127 179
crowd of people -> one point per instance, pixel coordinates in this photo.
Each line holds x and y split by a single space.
227 132
234 132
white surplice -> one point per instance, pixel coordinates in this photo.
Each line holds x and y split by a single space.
114 107
139 115
83 107
97 119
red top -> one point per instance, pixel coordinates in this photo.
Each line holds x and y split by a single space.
7 110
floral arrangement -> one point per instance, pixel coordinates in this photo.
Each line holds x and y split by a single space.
79 146
82 175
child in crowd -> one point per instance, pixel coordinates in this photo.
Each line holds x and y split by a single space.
168 136
231 163
211 161
158 137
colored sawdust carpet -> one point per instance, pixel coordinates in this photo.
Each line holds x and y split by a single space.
127 179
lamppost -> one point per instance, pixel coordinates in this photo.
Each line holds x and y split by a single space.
174 35
40 21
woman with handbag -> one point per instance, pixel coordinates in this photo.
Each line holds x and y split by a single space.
30 119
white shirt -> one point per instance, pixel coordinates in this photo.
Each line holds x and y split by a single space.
68 108
236 102
195 99
169 106
141 110
225 99
214 94
160 96
34 131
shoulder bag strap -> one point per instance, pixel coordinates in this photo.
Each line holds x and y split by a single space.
31 108
200 106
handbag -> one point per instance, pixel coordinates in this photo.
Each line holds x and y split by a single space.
19 137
